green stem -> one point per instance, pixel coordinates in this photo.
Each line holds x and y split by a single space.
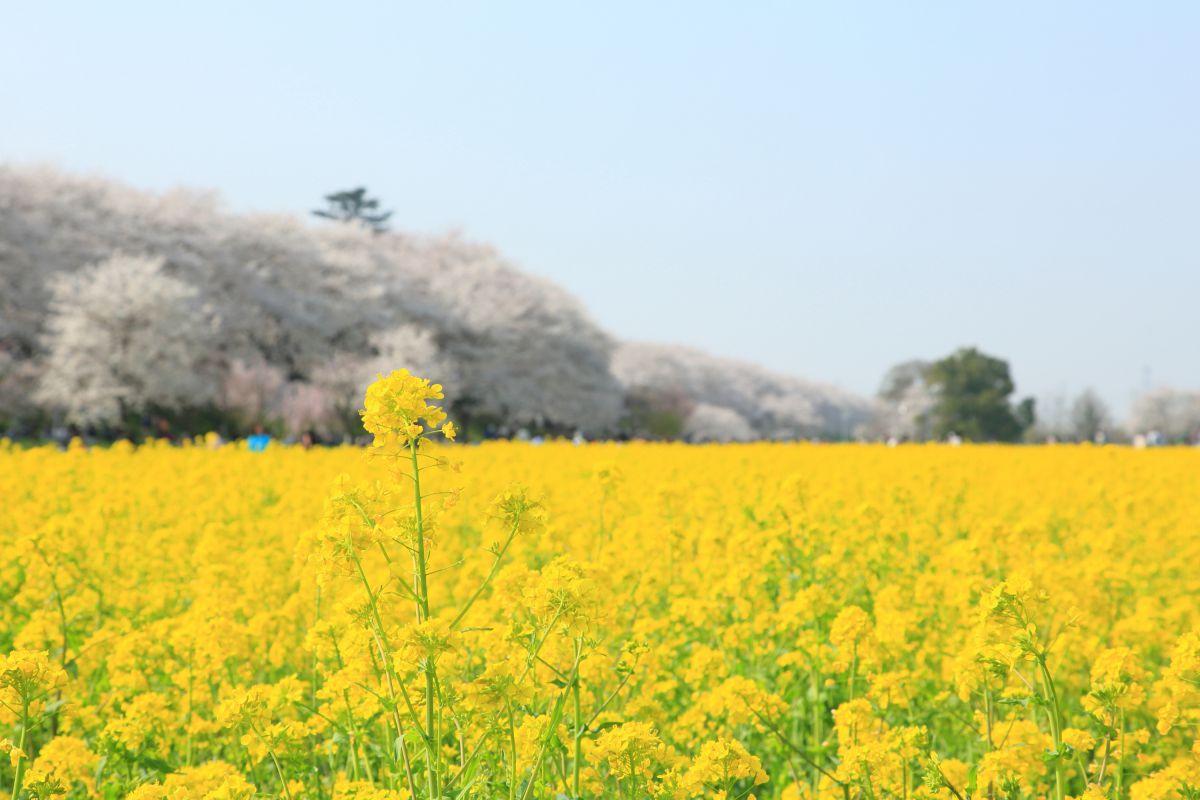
389 670
1055 725
278 769
512 742
355 739
20 776
612 696
817 712
423 598
469 759
190 689
578 727
512 534
853 670
1120 765
796 750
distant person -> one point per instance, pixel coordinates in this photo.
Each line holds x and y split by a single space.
258 441
308 439
162 430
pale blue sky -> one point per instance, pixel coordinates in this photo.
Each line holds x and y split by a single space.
824 188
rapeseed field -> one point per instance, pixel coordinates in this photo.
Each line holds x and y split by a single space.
427 620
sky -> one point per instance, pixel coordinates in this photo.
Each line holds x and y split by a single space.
824 188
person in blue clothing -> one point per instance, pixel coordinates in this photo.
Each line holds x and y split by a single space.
258 441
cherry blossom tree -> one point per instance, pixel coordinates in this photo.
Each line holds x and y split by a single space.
904 404
1173 414
122 335
709 423
775 406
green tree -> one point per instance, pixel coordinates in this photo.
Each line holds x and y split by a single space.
972 391
354 205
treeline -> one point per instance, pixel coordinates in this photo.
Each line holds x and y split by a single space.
127 313
968 395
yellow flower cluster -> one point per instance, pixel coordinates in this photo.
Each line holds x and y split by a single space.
398 409
597 621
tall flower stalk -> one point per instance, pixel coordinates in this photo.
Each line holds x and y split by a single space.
399 414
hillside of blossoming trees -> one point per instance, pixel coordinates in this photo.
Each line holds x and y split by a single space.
119 303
